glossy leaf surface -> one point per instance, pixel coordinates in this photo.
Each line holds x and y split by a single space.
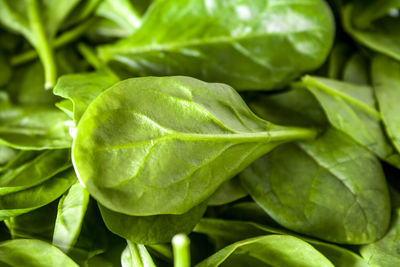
204 133
249 44
32 253
270 250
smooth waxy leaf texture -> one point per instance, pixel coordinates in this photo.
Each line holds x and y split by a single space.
270 250
249 44
191 138
71 212
386 82
351 108
386 251
330 188
375 24
32 253
135 255
225 232
154 229
34 127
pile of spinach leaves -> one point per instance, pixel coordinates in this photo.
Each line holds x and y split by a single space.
200 133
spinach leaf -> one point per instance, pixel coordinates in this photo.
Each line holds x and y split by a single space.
249 44
225 232
34 127
294 107
229 191
204 134
38 21
71 212
356 70
351 108
36 171
82 88
385 252
337 60
373 24
26 84
21 202
121 12
270 250
154 229
386 81
136 255
32 253
37 224
330 188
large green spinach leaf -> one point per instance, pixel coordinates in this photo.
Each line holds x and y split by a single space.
32 253
270 250
181 147
330 188
225 232
249 44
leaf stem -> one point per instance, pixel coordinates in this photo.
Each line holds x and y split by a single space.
181 248
42 45
65 38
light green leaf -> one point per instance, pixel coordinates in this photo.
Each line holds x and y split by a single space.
351 109
32 253
71 212
136 255
191 138
270 250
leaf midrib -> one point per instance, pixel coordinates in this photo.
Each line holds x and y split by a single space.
198 42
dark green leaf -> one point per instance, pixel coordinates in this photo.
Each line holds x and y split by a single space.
386 81
330 188
154 229
249 44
